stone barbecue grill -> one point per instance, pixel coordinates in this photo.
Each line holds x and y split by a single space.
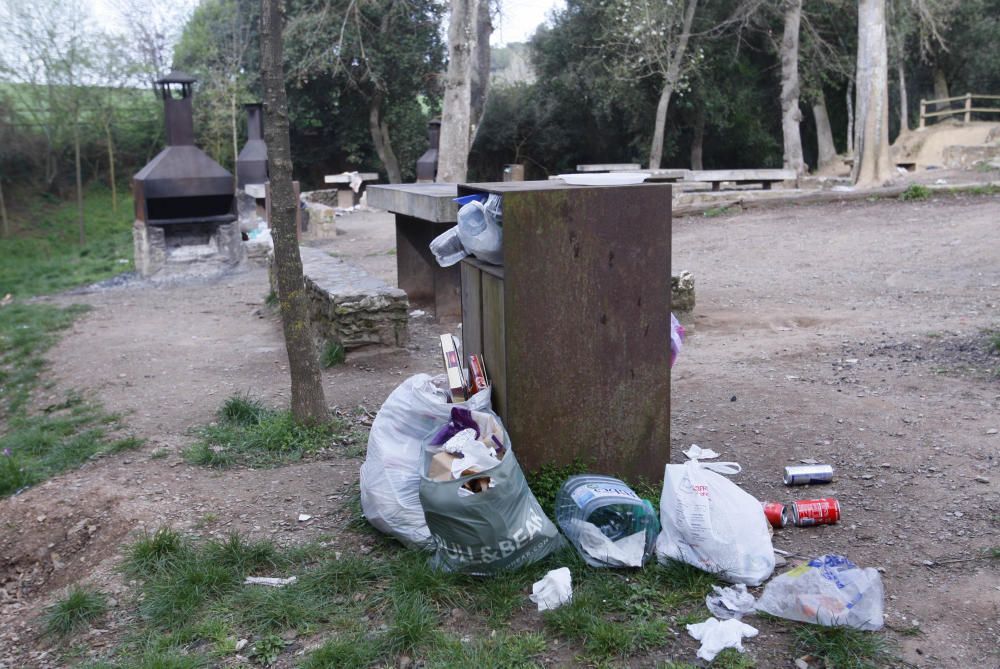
185 219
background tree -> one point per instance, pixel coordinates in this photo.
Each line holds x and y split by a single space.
308 400
465 86
872 166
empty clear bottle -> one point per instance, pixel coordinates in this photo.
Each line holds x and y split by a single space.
610 505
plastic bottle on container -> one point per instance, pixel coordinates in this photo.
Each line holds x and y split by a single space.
480 232
609 504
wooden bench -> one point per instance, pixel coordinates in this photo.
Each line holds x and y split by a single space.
764 177
346 196
423 211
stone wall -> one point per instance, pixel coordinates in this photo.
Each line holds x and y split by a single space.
193 250
682 292
349 306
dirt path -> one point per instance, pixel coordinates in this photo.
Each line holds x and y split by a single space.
844 333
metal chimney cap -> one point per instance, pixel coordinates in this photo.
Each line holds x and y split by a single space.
176 77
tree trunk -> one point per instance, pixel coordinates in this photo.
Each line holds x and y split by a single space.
872 165
111 166
791 116
825 149
79 182
669 83
940 88
308 401
850 116
234 127
698 140
456 114
379 130
904 107
3 212
480 69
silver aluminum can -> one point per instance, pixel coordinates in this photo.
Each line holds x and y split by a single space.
806 474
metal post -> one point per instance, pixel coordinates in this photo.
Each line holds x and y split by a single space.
923 111
968 107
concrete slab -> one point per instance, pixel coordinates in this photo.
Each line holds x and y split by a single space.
428 202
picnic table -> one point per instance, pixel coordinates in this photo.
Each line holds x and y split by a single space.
346 192
764 177
423 211
609 167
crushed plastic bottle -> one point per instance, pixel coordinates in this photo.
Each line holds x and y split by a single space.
610 505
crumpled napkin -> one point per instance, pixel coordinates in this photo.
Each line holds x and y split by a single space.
554 590
626 552
731 602
475 456
715 636
696 452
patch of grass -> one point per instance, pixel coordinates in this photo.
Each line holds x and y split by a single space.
74 612
993 342
546 481
271 300
356 651
268 649
499 651
715 212
843 647
333 354
987 189
414 623
44 256
159 454
153 553
247 432
730 658
915 192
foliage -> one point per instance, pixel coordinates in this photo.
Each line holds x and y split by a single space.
44 256
843 647
915 192
250 433
75 611
333 354
37 445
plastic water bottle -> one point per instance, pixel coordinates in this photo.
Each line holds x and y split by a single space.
480 232
608 503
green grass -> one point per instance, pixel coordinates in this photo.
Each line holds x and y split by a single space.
37 444
715 212
843 647
43 255
915 192
247 432
74 612
333 354
993 342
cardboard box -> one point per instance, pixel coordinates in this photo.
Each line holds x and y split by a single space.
477 374
440 467
453 368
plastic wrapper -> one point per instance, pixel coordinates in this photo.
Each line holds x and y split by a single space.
828 590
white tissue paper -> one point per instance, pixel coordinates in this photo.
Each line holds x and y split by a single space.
716 636
554 590
476 456
696 452
731 602
626 552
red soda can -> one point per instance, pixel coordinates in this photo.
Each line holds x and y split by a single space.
775 513
807 512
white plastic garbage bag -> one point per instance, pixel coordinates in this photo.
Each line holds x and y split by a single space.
628 551
828 590
447 248
709 522
390 475
716 636
480 231
554 590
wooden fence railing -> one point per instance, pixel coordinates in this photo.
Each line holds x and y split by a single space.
966 110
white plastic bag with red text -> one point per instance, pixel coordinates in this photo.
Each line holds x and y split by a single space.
709 522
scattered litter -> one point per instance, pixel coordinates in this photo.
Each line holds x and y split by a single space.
940 182
710 523
808 474
807 512
982 479
554 590
607 522
806 662
241 644
267 580
417 313
992 430
809 461
776 513
696 452
730 602
303 517
677 335
828 590
716 636
7 299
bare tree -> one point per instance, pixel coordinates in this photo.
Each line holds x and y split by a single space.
872 165
825 148
308 401
790 114
465 88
